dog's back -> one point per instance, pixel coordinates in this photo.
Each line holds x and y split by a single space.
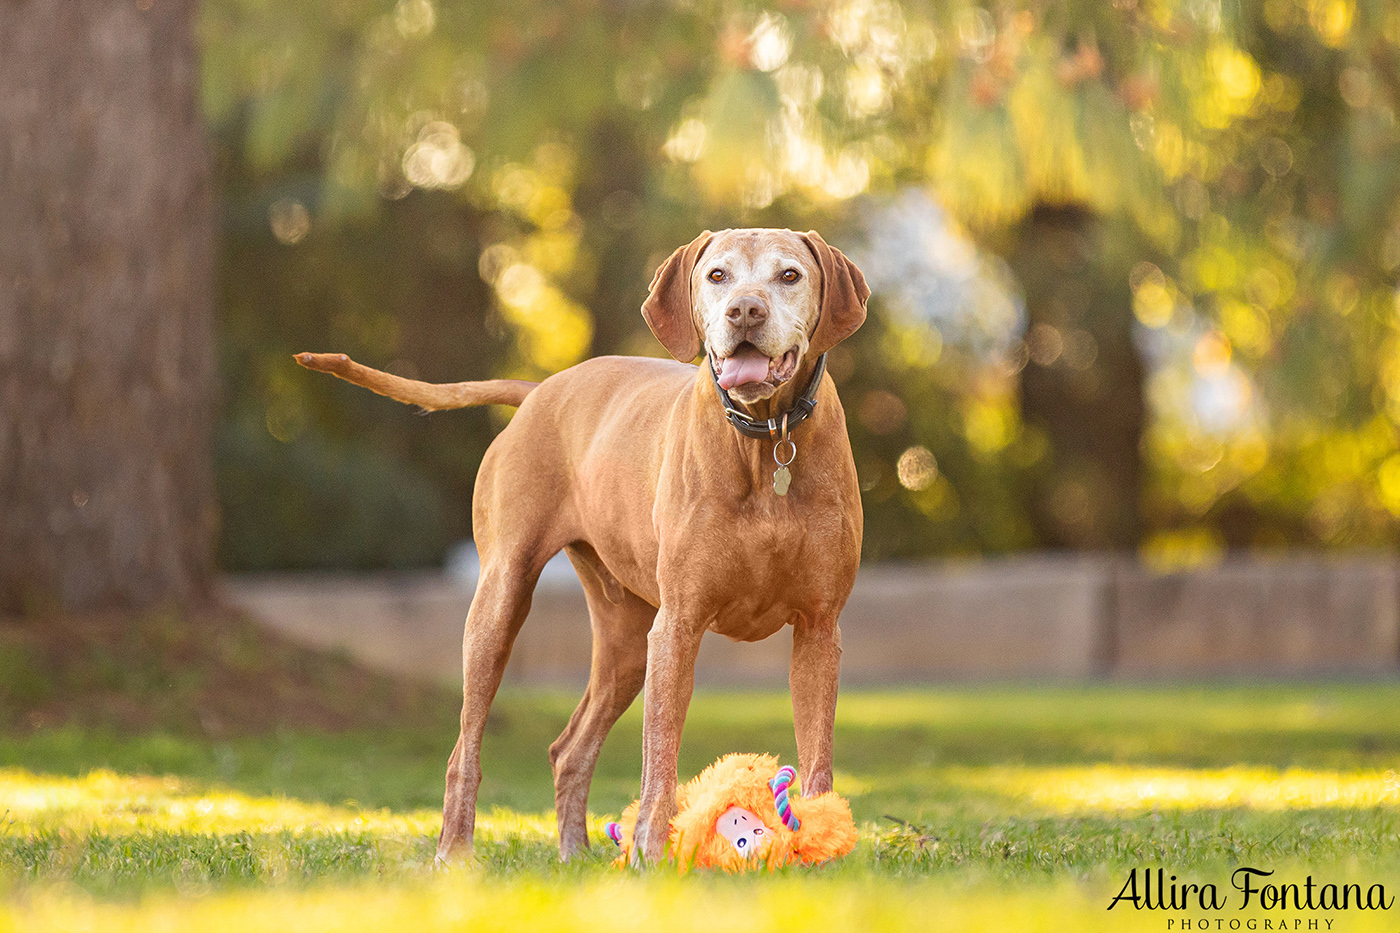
587 446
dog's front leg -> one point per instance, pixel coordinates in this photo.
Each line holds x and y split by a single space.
671 649
815 673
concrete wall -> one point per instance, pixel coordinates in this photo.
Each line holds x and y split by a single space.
1027 616
1284 616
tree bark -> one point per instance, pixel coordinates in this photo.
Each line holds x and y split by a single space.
106 275
1082 388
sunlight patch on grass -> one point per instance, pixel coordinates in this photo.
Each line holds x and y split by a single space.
1106 788
106 802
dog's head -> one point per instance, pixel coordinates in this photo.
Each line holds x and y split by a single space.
758 302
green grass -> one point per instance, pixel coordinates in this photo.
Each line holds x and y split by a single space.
982 800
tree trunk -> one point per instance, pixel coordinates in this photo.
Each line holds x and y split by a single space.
106 348
1082 389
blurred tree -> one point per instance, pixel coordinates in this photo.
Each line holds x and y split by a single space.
1277 380
106 272
450 191
1082 385
1212 185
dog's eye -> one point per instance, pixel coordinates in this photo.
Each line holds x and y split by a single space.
716 275
790 275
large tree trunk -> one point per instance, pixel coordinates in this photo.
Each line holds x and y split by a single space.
106 264
1083 387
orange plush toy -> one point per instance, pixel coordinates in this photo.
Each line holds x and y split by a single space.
738 815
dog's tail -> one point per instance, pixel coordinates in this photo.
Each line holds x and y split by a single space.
431 396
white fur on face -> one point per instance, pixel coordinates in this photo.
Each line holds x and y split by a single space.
740 264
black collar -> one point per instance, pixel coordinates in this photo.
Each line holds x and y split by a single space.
801 409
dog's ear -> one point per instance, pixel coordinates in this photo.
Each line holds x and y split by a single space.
844 294
668 309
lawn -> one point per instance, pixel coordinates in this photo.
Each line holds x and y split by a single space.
998 807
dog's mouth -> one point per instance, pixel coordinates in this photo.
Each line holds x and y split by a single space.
748 365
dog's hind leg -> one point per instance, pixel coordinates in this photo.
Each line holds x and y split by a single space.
502 601
620 621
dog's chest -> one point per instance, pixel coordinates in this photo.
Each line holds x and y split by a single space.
775 571
753 618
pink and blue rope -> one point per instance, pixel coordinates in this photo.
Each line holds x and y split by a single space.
614 832
780 783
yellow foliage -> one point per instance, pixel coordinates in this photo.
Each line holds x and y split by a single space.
555 251
978 170
1249 452
1154 303
1011 139
912 346
1246 327
1238 75
1332 19
554 332
1228 87
1045 119
1170 150
938 500
1214 268
1171 551
1388 484
989 427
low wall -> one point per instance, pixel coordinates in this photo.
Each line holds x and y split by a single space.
1028 616
1285 616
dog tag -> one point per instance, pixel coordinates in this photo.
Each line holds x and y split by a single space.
782 479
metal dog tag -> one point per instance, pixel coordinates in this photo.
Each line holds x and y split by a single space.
782 479
782 476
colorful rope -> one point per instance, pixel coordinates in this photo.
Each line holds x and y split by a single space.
780 783
614 832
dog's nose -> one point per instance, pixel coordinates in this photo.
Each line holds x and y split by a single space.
747 311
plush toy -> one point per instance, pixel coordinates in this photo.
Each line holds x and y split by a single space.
742 813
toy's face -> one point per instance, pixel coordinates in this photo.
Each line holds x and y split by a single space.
745 832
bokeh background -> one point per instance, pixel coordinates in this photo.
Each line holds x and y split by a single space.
1134 263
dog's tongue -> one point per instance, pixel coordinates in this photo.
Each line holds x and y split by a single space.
746 365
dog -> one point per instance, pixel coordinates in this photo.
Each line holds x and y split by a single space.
719 498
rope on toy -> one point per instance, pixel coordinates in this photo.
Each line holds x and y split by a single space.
614 832
780 783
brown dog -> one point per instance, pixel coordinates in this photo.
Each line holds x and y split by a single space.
675 519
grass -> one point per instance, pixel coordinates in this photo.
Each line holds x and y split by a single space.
1009 807
213 673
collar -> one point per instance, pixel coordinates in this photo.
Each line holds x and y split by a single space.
801 409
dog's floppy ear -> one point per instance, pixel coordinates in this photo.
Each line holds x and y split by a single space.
844 294
668 310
